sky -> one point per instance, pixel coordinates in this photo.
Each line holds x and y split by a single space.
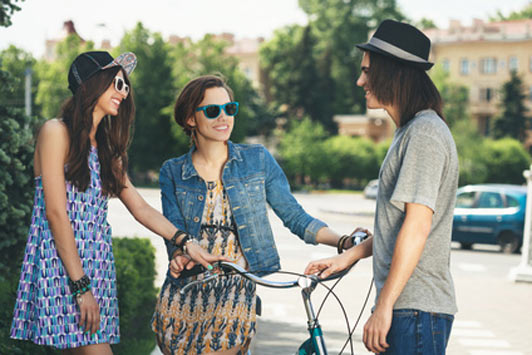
95 20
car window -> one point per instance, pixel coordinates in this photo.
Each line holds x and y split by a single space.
490 200
465 200
511 201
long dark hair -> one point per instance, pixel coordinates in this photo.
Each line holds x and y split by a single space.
192 95
403 86
113 134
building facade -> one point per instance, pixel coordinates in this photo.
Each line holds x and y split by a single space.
481 57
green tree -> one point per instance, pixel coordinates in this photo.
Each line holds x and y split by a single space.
16 61
153 89
296 79
7 9
53 89
513 121
455 97
426 23
339 25
301 152
523 14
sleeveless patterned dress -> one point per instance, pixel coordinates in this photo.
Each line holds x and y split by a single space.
219 315
45 311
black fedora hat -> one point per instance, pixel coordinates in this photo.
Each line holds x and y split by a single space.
400 41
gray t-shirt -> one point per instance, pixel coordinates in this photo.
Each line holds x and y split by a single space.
421 167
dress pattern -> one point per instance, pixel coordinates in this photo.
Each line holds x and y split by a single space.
45 310
219 315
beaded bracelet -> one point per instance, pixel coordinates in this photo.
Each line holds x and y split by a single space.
81 286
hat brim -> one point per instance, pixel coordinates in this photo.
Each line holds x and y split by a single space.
127 60
371 48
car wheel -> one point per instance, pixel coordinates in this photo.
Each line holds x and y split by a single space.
508 242
466 246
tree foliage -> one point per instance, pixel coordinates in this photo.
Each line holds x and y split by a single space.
523 14
52 88
512 121
455 97
7 9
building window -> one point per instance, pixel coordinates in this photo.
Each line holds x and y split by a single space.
464 66
446 65
486 94
513 64
530 93
488 65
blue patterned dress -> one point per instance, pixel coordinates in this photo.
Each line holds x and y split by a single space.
45 311
216 316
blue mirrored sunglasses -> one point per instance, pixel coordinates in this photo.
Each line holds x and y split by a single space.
213 111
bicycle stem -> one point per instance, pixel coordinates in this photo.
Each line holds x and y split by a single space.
314 327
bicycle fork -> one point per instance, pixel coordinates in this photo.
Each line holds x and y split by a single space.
316 343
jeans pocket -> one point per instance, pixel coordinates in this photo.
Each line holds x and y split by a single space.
441 325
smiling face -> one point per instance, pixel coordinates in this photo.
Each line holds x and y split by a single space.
363 81
109 102
212 130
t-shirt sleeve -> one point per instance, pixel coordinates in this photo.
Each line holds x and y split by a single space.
423 162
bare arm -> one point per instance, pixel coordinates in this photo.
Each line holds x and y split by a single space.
408 249
52 150
152 219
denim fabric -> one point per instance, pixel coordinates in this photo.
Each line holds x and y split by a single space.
252 179
418 332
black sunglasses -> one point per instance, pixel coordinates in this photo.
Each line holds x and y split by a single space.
213 111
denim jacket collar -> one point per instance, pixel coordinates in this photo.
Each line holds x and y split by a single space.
189 170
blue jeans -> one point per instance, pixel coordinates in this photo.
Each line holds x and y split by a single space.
417 332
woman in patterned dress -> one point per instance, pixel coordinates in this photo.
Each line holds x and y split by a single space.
67 292
219 193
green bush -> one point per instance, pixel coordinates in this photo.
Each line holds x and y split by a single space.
16 201
505 159
135 267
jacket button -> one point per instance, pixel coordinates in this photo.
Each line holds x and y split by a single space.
196 219
200 197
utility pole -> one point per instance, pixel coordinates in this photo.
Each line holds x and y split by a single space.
523 272
27 91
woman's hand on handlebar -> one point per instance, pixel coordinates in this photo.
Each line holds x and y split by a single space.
195 255
328 266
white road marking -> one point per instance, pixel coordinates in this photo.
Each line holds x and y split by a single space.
488 343
461 332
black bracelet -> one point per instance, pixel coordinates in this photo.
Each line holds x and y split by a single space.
81 286
177 234
185 239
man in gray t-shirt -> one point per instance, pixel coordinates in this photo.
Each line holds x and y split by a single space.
415 302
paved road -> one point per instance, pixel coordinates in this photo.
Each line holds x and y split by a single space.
494 318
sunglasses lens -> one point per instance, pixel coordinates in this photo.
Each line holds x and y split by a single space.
119 84
212 111
231 109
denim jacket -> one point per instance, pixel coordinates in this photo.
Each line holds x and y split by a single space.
251 177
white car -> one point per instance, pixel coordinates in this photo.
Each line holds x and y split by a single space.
371 189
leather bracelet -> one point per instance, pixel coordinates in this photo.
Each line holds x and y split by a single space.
177 234
341 242
185 239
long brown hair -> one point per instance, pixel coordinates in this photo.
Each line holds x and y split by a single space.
192 95
113 134
403 86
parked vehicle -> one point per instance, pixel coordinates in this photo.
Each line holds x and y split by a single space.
371 189
490 214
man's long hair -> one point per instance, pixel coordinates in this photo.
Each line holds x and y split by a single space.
113 134
398 84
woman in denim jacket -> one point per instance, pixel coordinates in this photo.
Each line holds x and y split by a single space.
218 193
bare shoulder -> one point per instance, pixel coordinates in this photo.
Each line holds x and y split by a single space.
54 132
53 140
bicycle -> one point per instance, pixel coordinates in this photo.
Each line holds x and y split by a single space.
315 344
